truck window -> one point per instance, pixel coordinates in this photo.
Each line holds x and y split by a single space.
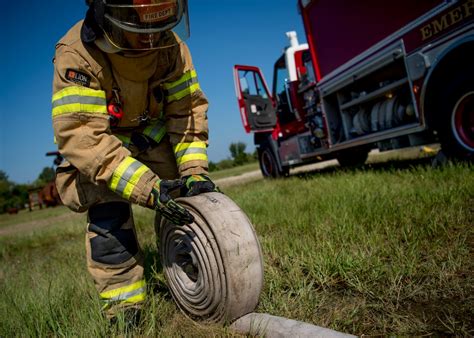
247 83
260 88
308 64
252 84
280 76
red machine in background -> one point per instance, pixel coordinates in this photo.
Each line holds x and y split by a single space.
48 194
374 74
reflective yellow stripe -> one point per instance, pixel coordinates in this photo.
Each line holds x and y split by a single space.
183 146
186 77
184 92
120 294
135 299
127 192
156 131
79 108
118 172
78 90
126 176
79 100
191 157
192 151
185 86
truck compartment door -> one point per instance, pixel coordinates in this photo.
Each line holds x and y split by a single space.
257 108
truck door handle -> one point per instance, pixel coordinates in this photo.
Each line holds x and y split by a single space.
258 108
255 109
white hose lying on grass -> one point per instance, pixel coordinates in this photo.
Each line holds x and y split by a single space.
214 266
265 325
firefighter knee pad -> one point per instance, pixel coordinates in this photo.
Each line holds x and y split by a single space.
113 245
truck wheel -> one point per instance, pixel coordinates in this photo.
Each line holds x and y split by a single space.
352 157
456 122
269 165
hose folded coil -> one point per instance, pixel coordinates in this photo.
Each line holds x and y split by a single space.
214 266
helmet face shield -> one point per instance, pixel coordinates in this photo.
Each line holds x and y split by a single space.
146 24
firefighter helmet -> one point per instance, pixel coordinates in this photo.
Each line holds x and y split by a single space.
142 24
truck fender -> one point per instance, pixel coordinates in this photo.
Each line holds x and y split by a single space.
438 70
447 97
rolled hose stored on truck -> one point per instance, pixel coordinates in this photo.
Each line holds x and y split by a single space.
214 266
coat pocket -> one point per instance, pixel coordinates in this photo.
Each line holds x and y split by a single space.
70 187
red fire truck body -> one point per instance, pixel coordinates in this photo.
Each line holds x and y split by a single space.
374 74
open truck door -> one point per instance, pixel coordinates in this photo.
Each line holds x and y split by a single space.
257 108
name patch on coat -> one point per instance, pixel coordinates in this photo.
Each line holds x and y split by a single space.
78 77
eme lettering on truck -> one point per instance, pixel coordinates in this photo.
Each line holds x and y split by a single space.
447 20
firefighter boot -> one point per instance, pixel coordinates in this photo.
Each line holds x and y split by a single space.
114 258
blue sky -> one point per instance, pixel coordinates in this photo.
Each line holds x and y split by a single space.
223 33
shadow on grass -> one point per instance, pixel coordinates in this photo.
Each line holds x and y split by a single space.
391 165
153 270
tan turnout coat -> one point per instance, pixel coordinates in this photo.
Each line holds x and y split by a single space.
160 97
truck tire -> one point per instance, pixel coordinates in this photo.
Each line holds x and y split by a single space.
214 266
352 157
268 163
455 121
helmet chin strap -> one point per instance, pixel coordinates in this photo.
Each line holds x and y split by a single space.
104 45
150 38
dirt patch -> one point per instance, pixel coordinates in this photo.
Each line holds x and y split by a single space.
239 179
257 174
38 224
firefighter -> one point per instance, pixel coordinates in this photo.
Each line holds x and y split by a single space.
130 120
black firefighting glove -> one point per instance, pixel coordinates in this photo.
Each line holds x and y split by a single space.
161 201
198 184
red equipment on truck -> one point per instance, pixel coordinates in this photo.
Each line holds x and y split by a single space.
374 74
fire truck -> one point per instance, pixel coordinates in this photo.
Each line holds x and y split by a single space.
373 75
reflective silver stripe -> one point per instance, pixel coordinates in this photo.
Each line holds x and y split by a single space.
70 99
127 175
191 150
126 295
182 86
154 130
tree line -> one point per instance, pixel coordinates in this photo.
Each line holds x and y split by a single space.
16 196
238 157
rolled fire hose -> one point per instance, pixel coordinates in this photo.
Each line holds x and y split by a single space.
381 115
374 116
214 266
389 112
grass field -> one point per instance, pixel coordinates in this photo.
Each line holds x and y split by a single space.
386 250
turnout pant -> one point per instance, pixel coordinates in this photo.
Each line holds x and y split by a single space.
114 257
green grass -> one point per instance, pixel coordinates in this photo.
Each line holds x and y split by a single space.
374 252
384 251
